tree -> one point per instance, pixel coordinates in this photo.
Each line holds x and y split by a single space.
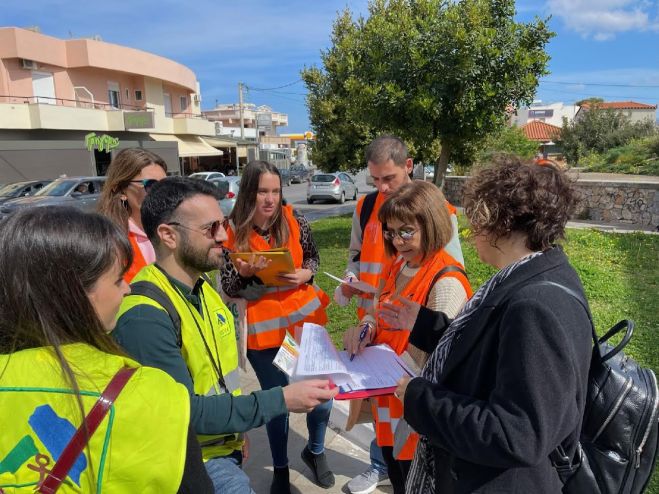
589 101
598 130
431 71
510 140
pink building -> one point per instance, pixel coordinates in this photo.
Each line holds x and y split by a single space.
54 93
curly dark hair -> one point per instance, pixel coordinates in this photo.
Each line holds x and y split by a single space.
515 196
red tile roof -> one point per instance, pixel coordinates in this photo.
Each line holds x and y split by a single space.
622 105
541 131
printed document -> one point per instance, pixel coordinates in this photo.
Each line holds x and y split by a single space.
376 367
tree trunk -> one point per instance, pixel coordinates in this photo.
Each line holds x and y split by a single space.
441 164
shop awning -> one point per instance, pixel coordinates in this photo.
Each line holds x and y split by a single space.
218 142
188 145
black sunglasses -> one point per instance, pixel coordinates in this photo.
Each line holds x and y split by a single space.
147 183
209 231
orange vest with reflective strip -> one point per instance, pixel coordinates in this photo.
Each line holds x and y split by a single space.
281 309
374 264
388 410
138 259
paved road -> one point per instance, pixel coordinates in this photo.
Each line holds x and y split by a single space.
296 195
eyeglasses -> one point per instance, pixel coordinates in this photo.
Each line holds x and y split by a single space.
404 235
147 183
209 231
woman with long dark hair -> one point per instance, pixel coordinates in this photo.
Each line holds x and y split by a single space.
130 175
260 221
61 284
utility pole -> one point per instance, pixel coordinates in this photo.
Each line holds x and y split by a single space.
242 113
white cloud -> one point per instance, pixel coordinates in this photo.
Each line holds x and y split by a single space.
603 19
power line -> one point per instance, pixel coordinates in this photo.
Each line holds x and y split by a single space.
274 88
598 84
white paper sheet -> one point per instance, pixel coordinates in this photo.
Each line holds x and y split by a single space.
375 367
359 285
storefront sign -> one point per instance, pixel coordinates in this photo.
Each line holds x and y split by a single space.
138 120
102 143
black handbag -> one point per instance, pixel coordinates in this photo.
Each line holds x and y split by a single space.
618 443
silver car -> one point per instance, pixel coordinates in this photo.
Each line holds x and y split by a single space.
207 175
79 192
229 187
337 187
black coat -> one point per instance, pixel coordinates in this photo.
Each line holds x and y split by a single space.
513 387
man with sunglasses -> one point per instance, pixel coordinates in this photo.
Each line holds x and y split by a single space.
175 320
390 167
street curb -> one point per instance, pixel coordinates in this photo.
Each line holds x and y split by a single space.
360 435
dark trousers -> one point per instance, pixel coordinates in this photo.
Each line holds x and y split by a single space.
398 469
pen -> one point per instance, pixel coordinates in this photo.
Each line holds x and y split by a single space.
362 335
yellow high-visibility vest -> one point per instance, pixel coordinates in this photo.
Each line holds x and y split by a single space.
140 445
219 333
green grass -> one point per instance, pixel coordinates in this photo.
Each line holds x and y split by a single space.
619 272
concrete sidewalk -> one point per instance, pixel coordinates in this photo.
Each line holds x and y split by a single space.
347 453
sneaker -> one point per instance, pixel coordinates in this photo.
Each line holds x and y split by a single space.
322 475
280 481
367 482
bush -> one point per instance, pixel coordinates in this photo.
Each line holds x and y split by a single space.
638 157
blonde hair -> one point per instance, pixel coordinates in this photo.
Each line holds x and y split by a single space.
423 203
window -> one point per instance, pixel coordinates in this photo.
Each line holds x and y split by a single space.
127 95
541 113
184 103
114 95
138 95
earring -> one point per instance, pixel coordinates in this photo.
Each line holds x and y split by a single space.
124 203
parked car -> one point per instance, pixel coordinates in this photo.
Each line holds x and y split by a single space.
207 175
79 192
285 176
337 187
21 189
430 173
229 187
300 173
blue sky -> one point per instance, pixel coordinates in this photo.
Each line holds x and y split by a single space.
606 48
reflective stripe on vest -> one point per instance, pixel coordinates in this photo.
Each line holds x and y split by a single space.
217 326
39 414
281 309
370 267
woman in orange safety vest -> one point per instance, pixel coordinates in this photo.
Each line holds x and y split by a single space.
129 177
416 227
260 221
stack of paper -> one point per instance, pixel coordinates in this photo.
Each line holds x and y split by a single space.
374 371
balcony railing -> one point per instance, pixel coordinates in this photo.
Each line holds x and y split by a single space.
185 115
70 103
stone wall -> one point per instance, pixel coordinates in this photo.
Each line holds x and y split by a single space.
608 201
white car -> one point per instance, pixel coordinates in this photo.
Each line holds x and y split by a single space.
207 175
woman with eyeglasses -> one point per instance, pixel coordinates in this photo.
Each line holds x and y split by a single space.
416 227
61 284
130 175
260 221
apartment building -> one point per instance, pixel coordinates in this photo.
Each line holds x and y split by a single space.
66 106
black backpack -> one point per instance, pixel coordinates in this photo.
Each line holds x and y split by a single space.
618 444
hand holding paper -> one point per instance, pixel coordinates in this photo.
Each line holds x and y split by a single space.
353 284
298 278
253 265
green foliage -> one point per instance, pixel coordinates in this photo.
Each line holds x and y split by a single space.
429 71
638 157
590 101
509 140
599 131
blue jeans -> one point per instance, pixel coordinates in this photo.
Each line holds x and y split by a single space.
377 460
270 376
228 476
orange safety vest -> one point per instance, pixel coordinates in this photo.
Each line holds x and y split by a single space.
388 410
281 309
374 264
138 259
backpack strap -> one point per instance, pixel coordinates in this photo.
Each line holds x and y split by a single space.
86 430
451 268
365 214
150 290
